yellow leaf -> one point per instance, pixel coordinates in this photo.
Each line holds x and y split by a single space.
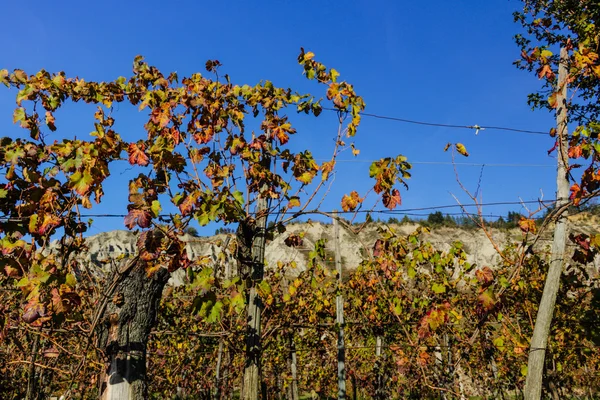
546 53
309 56
462 149
552 100
350 202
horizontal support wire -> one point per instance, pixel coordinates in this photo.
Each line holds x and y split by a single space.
387 212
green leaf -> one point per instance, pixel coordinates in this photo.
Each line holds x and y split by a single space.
33 223
23 282
59 81
239 196
317 108
264 288
499 343
19 115
156 208
81 182
203 219
397 306
438 288
334 75
24 94
13 156
215 312
306 177
238 302
204 279
70 280
524 370
41 275
230 282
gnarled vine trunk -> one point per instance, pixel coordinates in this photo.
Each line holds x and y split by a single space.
123 333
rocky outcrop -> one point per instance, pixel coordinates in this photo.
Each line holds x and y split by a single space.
106 247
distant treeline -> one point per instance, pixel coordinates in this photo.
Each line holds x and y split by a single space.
438 219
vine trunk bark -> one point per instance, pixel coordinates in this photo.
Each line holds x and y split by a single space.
31 378
123 333
255 235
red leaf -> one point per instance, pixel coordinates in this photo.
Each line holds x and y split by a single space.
293 240
582 240
392 200
175 135
140 218
11 271
33 311
424 331
378 248
161 116
526 57
575 194
137 155
205 135
49 222
188 203
546 72
281 135
553 148
487 299
575 152
485 276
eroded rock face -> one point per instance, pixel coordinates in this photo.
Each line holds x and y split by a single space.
104 247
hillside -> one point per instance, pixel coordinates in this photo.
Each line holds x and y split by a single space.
110 245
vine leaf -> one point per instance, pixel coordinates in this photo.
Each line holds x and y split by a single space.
139 218
392 200
462 149
81 182
350 202
136 153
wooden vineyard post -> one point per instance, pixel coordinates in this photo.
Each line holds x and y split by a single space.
341 358
293 365
539 340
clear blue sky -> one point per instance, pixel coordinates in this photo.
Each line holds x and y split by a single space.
438 61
